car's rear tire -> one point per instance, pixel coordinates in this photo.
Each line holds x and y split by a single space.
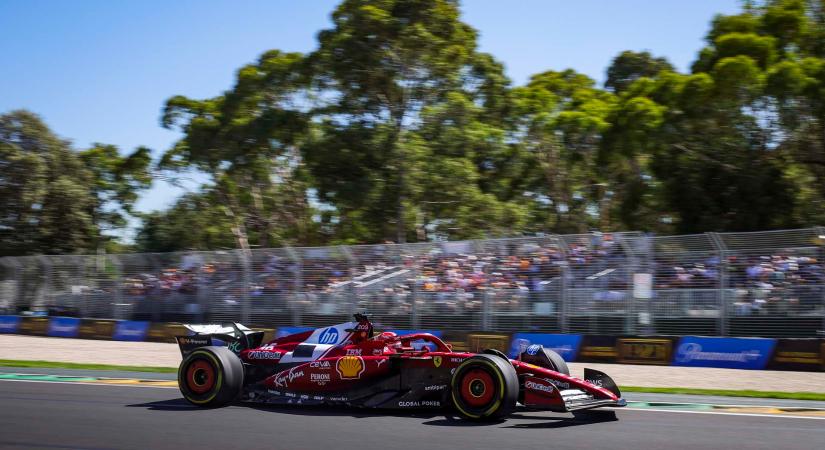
210 376
484 387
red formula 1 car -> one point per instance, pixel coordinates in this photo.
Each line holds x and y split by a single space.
347 364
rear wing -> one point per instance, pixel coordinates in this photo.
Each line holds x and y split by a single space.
234 336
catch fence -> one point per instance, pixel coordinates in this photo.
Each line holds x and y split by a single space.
731 284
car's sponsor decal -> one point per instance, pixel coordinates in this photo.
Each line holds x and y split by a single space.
538 386
320 378
350 367
329 336
234 347
257 354
194 341
418 403
283 379
596 382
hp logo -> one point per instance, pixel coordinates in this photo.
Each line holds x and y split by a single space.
329 336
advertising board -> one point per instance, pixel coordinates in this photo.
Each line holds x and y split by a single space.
130 330
64 327
566 345
729 353
9 324
644 351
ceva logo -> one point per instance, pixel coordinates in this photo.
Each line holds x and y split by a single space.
329 336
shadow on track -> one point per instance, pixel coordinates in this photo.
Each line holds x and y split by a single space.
175 404
441 418
579 418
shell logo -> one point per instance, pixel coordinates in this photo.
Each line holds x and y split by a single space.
350 367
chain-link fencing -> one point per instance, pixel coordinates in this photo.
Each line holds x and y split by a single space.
731 284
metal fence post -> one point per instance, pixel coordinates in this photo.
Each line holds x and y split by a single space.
85 289
486 316
245 260
47 281
5 287
298 285
198 278
416 320
564 292
18 284
117 294
629 271
821 241
352 263
11 279
722 327
152 296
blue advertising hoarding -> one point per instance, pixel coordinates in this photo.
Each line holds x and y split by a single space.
9 324
727 353
64 327
130 330
566 345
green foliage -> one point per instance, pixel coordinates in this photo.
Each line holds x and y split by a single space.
56 200
630 66
194 222
398 128
413 134
248 141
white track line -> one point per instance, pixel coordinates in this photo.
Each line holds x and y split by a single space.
85 383
731 405
723 413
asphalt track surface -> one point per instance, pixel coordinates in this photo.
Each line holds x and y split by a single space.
629 396
63 416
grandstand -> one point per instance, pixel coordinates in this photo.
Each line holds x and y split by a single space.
739 284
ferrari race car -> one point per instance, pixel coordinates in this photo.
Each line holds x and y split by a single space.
348 364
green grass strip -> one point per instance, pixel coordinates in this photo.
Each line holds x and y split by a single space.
65 365
727 393
653 390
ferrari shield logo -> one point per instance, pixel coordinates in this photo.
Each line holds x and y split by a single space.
437 361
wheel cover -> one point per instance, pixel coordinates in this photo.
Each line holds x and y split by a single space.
477 388
200 376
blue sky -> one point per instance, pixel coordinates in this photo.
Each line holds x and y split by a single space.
99 71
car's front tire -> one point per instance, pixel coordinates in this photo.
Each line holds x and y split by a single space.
484 387
210 376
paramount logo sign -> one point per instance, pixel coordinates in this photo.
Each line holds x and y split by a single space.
693 352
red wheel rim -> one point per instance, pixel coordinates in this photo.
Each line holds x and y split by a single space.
200 377
477 388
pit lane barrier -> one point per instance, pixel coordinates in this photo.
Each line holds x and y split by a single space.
687 351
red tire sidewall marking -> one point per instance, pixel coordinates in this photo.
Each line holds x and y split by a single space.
476 375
